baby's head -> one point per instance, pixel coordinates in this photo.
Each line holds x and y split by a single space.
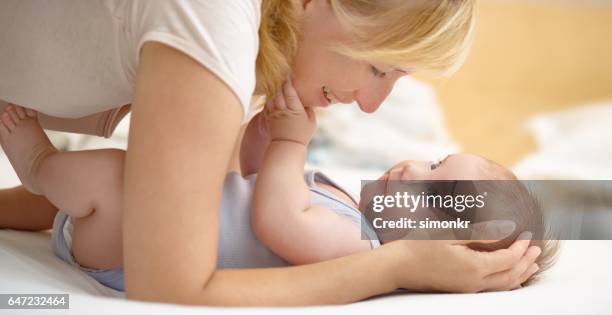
506 199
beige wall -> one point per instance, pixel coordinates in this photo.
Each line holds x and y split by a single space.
529 57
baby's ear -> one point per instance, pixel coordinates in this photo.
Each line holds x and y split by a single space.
492 235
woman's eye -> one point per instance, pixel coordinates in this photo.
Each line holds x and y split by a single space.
377 72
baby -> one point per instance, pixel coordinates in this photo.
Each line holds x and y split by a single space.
276 214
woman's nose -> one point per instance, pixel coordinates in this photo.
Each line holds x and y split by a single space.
371 98
369 107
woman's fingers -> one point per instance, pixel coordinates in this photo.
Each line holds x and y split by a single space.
527 274
512 278
449 267
504 259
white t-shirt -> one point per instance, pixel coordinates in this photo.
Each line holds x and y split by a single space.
71 59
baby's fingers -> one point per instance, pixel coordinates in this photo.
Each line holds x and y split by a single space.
279 101
20 112
269 111
13 113
291 97
312 116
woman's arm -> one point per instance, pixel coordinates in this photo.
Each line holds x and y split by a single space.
22 210
184 124
180 141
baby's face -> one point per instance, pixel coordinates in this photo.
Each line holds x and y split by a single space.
456 167
453 167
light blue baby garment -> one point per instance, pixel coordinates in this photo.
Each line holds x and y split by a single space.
238 246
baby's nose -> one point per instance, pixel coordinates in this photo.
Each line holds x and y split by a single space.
418 169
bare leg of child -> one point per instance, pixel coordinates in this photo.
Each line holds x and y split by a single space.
86 185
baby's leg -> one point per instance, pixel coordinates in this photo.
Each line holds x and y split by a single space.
86 185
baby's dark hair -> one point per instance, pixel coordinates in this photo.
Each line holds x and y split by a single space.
509 199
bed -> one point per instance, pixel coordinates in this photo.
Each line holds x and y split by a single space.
580 282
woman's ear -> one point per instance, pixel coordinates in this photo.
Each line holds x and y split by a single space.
308 4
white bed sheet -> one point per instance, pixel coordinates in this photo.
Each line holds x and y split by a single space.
581 283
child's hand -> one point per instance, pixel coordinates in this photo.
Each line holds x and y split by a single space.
287 118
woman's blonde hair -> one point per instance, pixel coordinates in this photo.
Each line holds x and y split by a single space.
429 35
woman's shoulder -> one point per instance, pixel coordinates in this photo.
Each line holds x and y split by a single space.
210 19
196 11
221 35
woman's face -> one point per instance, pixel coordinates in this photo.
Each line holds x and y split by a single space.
318 72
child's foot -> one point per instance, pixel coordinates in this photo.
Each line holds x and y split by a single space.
25 143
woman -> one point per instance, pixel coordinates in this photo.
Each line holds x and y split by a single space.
189 69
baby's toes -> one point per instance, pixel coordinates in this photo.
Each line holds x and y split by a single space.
7 122
12 114
20 112
3 130
31 113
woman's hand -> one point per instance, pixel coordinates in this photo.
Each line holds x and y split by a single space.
288 119
450 266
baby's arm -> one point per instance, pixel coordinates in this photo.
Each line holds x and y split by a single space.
254 143
282 215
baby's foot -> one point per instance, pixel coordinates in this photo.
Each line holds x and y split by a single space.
25 143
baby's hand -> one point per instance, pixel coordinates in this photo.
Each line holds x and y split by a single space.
287 118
